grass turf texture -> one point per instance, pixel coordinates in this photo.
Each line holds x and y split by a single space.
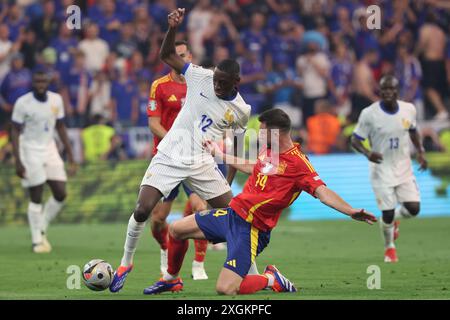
325 259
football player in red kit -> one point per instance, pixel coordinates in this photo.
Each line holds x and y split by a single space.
276 180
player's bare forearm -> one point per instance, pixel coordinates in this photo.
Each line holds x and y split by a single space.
231 173
15 131
62 132
416 140
333 200
357 144
154 123
167 53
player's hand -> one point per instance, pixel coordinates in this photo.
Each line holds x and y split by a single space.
375 157
73 168
422 161
20 169
361 215
175 18
213 148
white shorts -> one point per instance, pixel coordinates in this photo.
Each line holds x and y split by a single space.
41 165
165 174
389 197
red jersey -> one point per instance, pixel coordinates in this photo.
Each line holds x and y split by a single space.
273 187
166 99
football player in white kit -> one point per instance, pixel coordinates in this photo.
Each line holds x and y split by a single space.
35 117
389 125
212 106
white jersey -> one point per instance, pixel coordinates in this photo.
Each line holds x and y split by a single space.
38 119
388 134
203 116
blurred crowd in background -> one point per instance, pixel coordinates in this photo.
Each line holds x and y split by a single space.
316 59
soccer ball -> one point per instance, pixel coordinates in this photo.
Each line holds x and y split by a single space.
97 274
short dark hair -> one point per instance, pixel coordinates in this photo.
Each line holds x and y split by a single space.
182 43
276 119
229 66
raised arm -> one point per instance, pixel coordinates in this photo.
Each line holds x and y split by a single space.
167 52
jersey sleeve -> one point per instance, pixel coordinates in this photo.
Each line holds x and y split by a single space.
308 179
413 125
362 129
18 114
60 114
193 73
240 126
154 101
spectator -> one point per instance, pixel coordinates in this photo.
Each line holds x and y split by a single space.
126 45
101 96
409 74
16 83
199 21
96 50
314 67
144 90
124 100
340 79
16 22
281 85
109 22
220 53
365 39
75 91
252 77
136 69
285 41
431 47
48 63
147 34
323 129
96 139
255 39
117 151
364 83
65 45
29 49
7 49
222 32
46 27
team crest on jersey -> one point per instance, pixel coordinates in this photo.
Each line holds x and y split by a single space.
229 116
406 123
54 110
267 168
152 105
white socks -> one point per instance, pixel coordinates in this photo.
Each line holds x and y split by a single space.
253 269
402 212
51 210
36 221
388 233
133 233
270 280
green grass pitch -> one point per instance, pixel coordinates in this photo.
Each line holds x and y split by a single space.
325 259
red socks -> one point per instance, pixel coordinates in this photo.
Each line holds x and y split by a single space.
253 283
176 253
187 209
161 236
200 249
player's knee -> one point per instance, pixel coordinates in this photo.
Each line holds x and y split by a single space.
60 196
413 208
226 289
176 231
199 206
141 212
388 216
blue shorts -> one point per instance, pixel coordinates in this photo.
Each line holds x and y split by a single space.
175 191
244 241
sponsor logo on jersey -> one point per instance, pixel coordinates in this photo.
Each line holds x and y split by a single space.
172 98
232 263
201 93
